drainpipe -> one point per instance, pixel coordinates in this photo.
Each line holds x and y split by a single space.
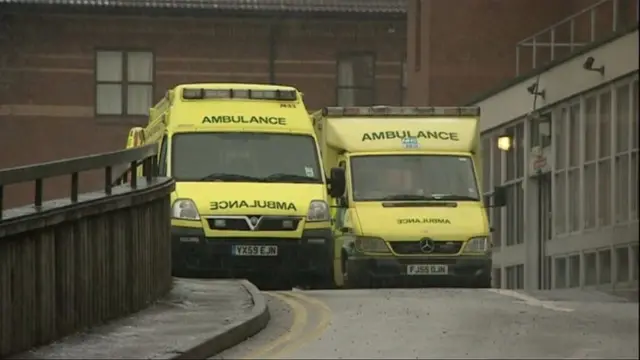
274 32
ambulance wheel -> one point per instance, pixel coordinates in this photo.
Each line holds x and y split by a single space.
354 279
323 280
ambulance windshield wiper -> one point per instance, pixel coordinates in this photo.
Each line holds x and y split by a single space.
434 197
290 178
452 197
230 177
405 197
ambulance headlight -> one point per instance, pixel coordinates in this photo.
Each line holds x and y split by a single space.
477 245
318 211
185 209
367 244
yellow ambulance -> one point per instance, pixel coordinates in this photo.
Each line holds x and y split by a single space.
251 197
405 186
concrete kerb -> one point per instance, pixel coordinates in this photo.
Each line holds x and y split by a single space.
236 332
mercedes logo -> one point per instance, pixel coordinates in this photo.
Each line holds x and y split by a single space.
427 246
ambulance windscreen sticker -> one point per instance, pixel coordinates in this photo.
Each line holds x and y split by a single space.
410 142
308 170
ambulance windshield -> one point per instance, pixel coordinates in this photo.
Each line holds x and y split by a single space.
413 177
245 157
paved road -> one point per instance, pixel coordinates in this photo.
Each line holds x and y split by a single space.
443 323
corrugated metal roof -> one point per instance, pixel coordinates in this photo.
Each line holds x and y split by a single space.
360 6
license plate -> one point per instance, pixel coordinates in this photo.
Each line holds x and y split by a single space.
255 250
425 269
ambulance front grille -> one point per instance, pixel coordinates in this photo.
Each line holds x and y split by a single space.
254 223
413 247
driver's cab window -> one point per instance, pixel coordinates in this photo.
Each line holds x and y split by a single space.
162 157
343 165
340 203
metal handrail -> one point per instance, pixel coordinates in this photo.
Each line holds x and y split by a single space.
144 155
534 44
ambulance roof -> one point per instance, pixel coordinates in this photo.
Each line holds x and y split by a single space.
235 106
371 134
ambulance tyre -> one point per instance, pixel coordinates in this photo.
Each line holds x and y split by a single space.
353 280
320 281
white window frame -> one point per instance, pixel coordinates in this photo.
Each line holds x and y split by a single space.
126 84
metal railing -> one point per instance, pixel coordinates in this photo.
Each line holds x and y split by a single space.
144 155
576 31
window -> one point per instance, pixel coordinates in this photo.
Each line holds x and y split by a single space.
604 188
279 158
560 194
515 156
514 163
590 188
591 128
515 214
573 185
560 270
604 121
574 137
610 189
124 82
623 138
162 157
604 163
560 189
573 176
356 77
622 121
633 170
560 138
396 177
590 174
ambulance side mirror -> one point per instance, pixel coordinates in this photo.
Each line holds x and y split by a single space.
337 182
499 196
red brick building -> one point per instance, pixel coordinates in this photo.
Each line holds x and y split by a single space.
460 49
76 75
